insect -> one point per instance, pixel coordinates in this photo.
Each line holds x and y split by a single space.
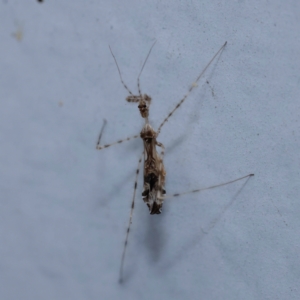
154 192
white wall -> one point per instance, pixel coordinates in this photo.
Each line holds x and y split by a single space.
64 206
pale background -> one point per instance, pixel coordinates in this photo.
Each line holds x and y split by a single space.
64 206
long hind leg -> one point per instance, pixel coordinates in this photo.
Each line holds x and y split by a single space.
207 188
130 218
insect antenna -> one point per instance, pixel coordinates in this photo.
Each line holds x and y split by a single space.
138 80
125 86
190 89
130 219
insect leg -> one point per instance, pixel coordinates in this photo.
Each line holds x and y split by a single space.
208 188
130 218
99 147
190 89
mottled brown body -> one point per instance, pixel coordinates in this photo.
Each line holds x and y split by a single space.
154 171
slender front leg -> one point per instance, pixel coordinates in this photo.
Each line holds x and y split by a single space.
99 147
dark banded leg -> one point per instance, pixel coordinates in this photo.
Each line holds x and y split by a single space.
190 89
208 188
101 132
130 218
162 153
99 147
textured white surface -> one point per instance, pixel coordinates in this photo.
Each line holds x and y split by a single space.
64 206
